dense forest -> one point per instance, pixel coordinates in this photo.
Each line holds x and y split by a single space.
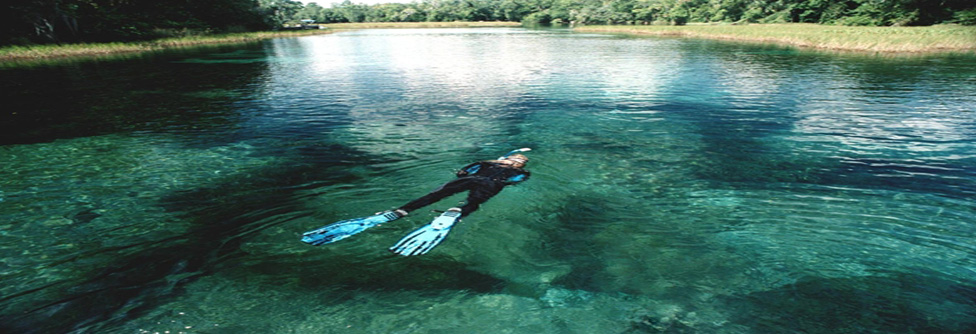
847 12
69 21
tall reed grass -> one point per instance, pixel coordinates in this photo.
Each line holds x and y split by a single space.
940 38
93 50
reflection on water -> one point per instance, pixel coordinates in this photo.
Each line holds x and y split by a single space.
678 186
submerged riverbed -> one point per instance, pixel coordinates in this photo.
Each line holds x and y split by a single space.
678 186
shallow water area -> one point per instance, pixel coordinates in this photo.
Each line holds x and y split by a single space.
678 186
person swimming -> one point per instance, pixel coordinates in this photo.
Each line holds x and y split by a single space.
482 180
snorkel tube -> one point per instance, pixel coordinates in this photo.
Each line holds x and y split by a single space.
524 149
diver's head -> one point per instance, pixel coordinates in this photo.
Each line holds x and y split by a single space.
517 160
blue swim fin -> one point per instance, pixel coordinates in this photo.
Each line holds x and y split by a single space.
346 228
424 239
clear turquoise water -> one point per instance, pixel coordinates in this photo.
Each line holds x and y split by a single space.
679 186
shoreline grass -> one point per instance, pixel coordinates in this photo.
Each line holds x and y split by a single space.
41 53
932 39
888 40
419 25
36 54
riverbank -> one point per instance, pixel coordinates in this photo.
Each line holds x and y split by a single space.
46 53
420 25
40 53
932 39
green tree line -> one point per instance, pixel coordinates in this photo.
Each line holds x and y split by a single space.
846 12
69 21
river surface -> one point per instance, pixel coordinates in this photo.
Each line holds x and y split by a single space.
678 186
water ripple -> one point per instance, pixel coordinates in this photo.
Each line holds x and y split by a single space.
677 184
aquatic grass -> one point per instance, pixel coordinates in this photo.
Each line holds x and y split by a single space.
34 53
932 39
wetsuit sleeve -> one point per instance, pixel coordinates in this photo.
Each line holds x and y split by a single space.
469 169
522 176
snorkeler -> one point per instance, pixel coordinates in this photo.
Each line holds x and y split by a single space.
482 180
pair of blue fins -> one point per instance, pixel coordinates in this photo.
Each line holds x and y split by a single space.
418 242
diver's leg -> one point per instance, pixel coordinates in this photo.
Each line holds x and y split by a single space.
453 187
480 194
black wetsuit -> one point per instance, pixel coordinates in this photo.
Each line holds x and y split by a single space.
482 180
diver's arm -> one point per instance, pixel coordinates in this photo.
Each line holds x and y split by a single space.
470 169
520 177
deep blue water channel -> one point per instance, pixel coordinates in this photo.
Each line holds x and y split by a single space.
679 186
